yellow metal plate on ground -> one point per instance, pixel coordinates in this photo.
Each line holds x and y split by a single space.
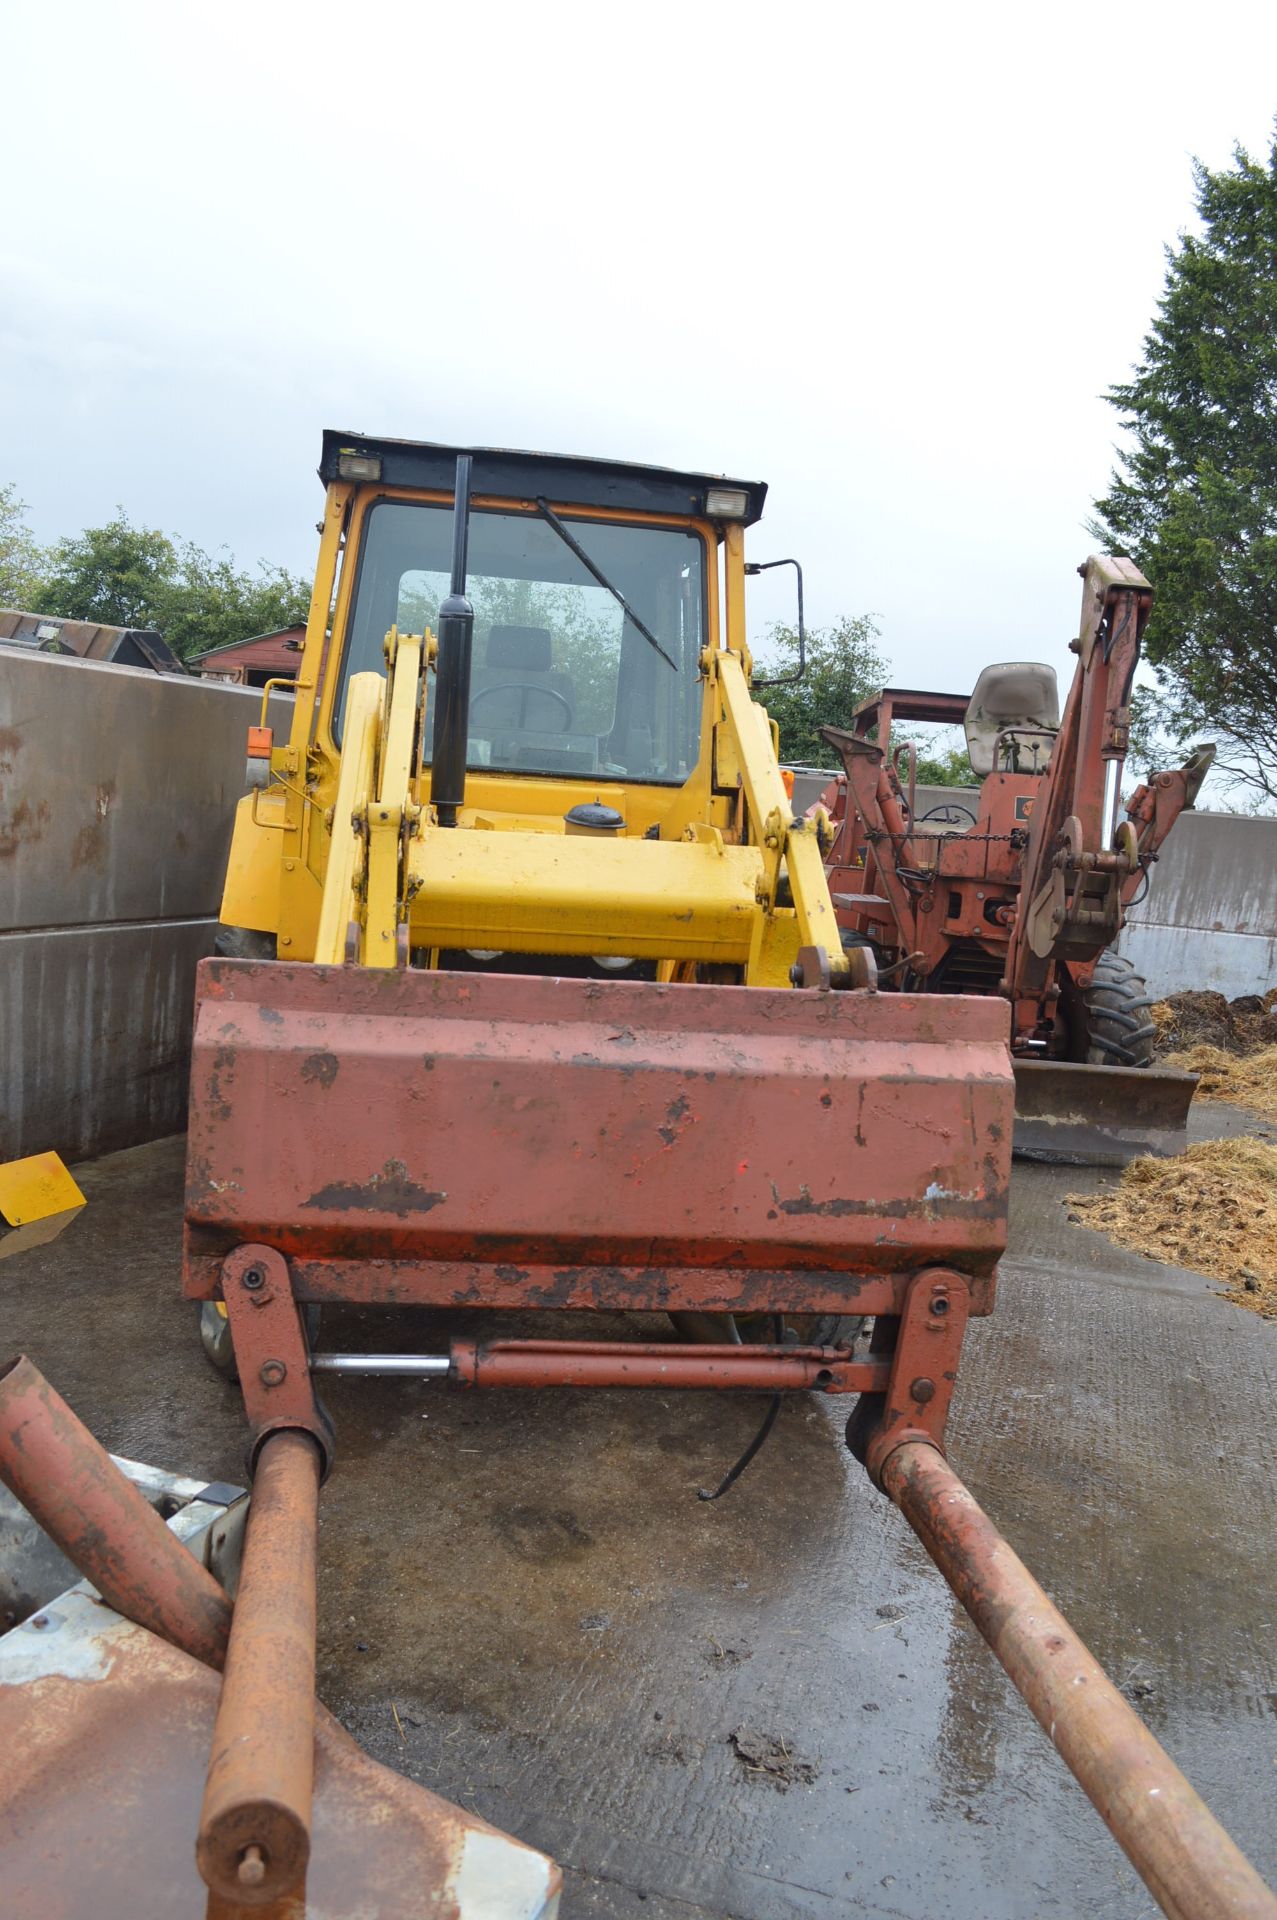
36 1187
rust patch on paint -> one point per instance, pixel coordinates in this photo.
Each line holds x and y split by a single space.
390 1191
86 850
26 823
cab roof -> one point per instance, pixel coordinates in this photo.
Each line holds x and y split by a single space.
508 473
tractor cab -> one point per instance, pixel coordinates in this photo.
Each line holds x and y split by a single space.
592 590
524 734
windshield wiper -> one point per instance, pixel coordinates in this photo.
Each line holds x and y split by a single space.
547 513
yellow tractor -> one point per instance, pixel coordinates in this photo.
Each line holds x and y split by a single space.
531 990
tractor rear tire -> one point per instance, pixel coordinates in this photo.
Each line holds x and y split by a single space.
1113 1016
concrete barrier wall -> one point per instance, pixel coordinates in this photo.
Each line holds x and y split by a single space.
1210 920
117 792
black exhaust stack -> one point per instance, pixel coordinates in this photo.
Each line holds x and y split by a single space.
452 675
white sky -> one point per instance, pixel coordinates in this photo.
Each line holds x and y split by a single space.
887 259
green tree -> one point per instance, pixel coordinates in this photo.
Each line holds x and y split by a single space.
131 576
1194 499
209 601
21 560
844 667
113 574
941 766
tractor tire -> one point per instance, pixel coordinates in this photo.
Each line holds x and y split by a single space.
1115 1030
828 1329
755 1329
244 943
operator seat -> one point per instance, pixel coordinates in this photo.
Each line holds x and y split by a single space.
518 658
1012 718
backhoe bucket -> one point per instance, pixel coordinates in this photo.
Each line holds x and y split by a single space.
1086 1116
516 1141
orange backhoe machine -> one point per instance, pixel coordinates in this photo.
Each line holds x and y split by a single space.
1024 896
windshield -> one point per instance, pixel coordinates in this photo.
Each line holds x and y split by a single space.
562 680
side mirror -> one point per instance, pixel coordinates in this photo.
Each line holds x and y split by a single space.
788 679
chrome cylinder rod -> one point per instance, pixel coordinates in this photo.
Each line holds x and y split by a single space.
420 1366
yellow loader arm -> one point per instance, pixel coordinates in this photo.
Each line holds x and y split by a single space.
396 880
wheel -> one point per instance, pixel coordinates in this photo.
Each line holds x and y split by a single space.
827 1329
705 1329
755 1329
862 1424
244 943
866 1415
1114 1029
215 1335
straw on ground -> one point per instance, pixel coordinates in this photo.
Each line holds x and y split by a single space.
1213 1208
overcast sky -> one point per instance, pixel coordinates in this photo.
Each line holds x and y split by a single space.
887 259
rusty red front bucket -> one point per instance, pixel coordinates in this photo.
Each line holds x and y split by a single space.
524 1141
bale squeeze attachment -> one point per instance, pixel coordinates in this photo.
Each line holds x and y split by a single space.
404 1137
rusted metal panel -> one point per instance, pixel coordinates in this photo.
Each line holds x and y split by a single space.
1085 1116
410 1116
1189 1864
659 1288
254 1834
106 1730
136 647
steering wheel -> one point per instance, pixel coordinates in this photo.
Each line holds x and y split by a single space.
523 690
948 813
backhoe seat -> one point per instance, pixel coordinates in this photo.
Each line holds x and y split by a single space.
1018 698
517 657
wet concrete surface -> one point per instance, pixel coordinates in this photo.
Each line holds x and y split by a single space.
524 1606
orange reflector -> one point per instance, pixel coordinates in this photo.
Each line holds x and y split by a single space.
260 742
787 775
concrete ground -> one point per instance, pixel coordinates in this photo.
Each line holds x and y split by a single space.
524 1606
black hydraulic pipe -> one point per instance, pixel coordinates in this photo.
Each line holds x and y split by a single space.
452 677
